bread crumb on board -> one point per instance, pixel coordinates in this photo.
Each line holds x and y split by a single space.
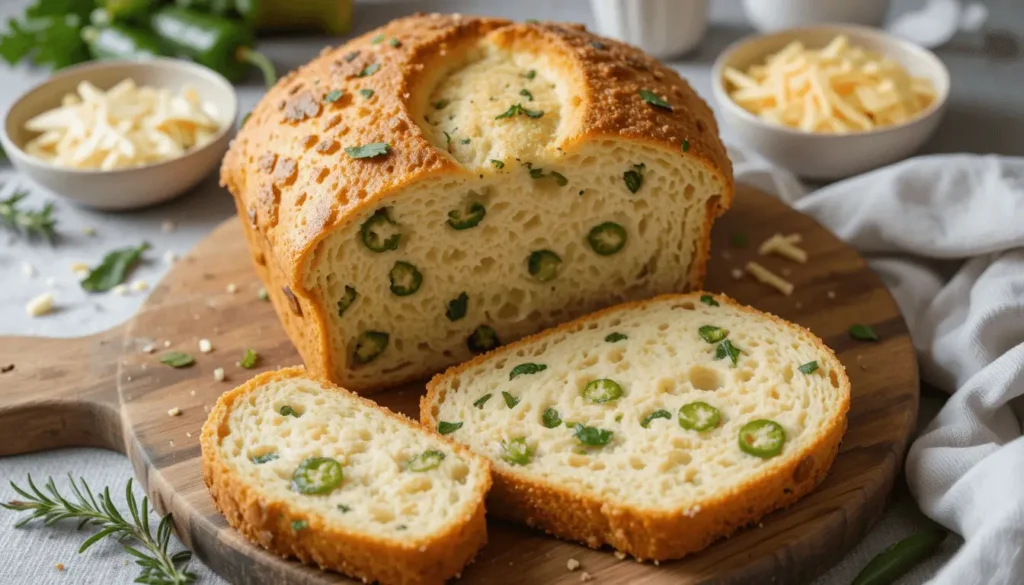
572 564
205 346
232 288
174 411
585 576
59 566
40 305
218 374
765 276
620 555
148 348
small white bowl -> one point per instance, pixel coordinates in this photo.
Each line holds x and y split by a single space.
662 28
831 156
129 188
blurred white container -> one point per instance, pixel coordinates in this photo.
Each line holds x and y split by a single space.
662 28
773 15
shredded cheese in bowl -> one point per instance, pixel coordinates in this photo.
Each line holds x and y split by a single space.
125 126
840 88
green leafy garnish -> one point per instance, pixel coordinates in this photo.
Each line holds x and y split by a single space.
369 346
709 300
114 268
686 145
50 32
425 461
378 39
654 99
634 178
395 42
727 349
441 104
483 339
809 367
480 402
287 410
526 369
346 300
465 141
712 334
592 436
446 428
530 74
366 93
519 110
31 223
526 93
298 525
333 96
265 458
371 150
517 452
510 401
369 70
601 391
863 333
497 164
177 359
159 565
249 359
551 419
457 307
646 422
613 337
374 229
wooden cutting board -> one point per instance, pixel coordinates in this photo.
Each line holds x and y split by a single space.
104 391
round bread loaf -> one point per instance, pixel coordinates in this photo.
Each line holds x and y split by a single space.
445 184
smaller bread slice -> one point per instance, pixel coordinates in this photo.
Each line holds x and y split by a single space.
406 508
643 426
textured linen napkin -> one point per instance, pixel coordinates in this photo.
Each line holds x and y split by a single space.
946 234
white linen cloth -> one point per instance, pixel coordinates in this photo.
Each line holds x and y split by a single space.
946 234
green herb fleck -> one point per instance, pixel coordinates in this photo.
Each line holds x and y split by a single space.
592 436
366 93
863 333
395 42
249 359
709 300
551 419
526 93
510 401
686 145
378 39
526 369
519 110
457 307
654 99
265 458
369 70
287 410
425 461
262 294
114 268
447 428
809 367
497 164
177 359
298 525
517 452
480 402
530 74
727 349
634 178
371 150
613 337
646 422
465 141
333 96
344 509
712 334
351 56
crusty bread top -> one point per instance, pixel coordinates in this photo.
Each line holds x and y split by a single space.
288 169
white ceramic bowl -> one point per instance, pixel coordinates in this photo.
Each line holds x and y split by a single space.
122 188
662 28
831 156
773 15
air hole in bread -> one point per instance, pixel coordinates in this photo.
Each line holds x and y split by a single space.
687 306
705 378
833 378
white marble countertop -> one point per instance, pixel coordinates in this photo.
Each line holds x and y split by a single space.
986 114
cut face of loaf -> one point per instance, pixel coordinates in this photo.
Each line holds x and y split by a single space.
412 203
655 427
308 470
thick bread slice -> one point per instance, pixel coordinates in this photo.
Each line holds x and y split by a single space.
658 491
393 518
532 172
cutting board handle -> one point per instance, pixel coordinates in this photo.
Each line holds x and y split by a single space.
60 393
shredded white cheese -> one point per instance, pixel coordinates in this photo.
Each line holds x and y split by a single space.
205 346
784 246
765 276
218 374
40 305
572 564
174 411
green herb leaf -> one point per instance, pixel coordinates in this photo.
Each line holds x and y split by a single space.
366 93
249 360
712 334
510 401
371 150
265 458
298 525
287 410
395 42
457 307
425 461
592 436
378 39
441 104
333 96
480 402
344 509
177 359
369 70
634 178
497 164
350 57
613 337
526 369
809 367
551 419
727 349
530 74
519 110
686 145
114 269
709 300
517 452
654 99
465 141
526 93
646 423
863 333
262 294
446 428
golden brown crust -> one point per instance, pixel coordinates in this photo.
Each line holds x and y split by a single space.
645 534
269 524
293 184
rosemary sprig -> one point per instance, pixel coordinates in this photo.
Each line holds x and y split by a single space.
31 223
159 567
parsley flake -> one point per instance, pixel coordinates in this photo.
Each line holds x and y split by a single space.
371 150
369 70
654 99
333 96
366 93
519 110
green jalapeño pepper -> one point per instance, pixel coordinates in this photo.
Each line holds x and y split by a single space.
601 391
607 238
369 345
405 279
543 265
218 43
128 10
121 42
762 438
425 461
317 475
699 416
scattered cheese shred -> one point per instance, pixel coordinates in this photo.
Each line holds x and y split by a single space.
836 89
572 564
784 246
765 276
40 305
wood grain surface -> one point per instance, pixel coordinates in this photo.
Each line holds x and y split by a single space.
105 391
